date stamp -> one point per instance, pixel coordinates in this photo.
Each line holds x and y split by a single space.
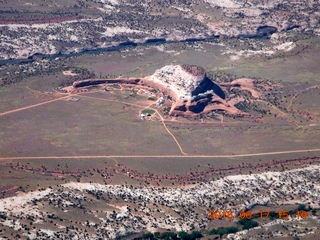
263 214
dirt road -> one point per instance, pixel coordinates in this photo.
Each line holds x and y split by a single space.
183 154
143 107
161 156
32 106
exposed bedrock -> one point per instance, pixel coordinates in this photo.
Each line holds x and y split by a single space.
191 91
187 81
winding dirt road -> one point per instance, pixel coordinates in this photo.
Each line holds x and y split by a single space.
149 106
183 153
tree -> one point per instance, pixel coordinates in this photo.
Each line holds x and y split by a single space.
169 236
193 236
157 234
222 231
148 236
302 207
248 223
196 234
184 235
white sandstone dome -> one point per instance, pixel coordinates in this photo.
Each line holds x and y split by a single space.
181 79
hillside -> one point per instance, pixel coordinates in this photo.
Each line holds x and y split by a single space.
76 25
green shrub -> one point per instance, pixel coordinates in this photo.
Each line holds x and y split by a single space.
148 236
192 236
196 235
184 235
248 223
273 215
157 234
302 207
148 111
222 230
169 236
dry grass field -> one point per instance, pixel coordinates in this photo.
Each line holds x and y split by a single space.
93 125
107 123
86 127
241 140
111 162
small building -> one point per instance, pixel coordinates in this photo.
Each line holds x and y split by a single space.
160 102
142 116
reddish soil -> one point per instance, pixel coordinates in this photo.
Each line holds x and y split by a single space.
5 190
246 84
191 177
178 108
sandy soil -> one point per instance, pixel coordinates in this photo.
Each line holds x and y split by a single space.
246 84
69 73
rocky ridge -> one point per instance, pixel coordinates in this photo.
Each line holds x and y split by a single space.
129 22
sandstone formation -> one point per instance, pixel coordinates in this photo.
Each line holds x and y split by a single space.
98 24
190 90
183 80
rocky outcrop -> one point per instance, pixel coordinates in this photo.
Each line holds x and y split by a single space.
192 92
183 80
105 25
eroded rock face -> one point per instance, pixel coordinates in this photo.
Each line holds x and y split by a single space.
182 80
123 23
191 89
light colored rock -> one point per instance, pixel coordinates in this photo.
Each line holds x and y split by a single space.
180 79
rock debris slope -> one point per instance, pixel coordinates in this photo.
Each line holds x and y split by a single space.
192 91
